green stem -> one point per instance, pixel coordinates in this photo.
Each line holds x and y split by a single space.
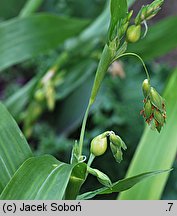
105 61
30 7
90 160
81 140
133 54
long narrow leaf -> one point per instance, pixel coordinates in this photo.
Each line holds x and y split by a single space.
23 38
119 10
156 151
39 178
121 185
14 149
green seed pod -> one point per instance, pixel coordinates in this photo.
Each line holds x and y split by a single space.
39 95
140 16
98 145
148 109
159 127
154 7
116 140
148 11
153 124
156 99
143 13
118 156
123 145
133 33
117 153
146 87
158 116
113 148
129 15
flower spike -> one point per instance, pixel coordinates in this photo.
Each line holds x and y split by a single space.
154 111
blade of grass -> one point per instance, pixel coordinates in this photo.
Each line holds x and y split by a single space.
23 38
39 178
156 151
30 7
14 149
121 185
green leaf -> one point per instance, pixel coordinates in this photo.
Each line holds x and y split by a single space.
120 185
159 38
119 10
156 151
76 180
23 38
102 178
14 149
75 153
99 27
39 178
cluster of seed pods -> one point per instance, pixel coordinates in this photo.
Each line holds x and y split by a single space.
154 111
100 142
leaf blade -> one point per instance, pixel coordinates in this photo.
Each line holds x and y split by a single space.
46 173
120 185
118 9
14 149
157 151
23 38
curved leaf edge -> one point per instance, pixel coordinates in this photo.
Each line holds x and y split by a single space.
121 185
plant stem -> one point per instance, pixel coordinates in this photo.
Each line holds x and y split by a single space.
30 7
133 54
81 141
105 61
90 160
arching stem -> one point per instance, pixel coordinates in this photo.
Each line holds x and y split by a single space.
137 56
